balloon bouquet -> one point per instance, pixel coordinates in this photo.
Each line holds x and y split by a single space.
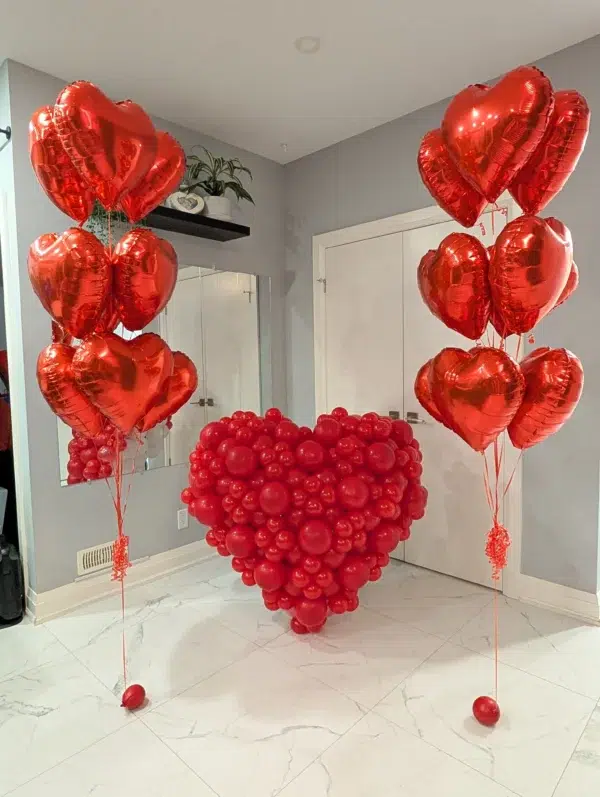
109 389
310 516
520 136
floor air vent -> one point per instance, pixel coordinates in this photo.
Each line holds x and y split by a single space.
92 559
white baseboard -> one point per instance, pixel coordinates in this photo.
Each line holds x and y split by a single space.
58 601
556 597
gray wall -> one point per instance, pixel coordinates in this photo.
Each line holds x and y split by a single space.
374 175
60 521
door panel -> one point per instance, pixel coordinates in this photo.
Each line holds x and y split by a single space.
363 335
451 537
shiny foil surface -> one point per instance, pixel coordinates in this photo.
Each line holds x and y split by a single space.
175 392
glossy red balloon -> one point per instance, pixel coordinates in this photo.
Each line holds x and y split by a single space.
570 287
122 378
553 386
133 697
315 537
528 272
162 178
453 280
380 457
478 393
274 498
176 391
72 277
311 613
145 273
270 575
112 145
207 509
423 392
240 541
452 192
492 131
486 711
556 156
354 573
61 181
240 461
64 397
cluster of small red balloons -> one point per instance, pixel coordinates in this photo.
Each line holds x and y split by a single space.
309 515
92 458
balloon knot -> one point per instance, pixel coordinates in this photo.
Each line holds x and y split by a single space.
121 561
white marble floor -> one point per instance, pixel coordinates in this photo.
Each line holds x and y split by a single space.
377 704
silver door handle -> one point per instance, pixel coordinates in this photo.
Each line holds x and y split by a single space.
413 417
204 402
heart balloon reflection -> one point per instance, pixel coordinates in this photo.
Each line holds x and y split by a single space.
492 131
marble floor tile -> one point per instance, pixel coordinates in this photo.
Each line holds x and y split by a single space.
582 775
168 652
48 714
560 649
24 646
432 602
251 728
364 654
529 748
378 759
127 763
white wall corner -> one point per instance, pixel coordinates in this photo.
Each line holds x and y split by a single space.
555 597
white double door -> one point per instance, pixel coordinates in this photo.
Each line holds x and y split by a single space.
375 333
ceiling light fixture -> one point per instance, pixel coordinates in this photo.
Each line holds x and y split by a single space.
308 45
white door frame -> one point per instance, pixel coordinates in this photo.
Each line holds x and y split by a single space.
512 511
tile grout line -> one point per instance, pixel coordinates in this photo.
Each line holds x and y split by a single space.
562 774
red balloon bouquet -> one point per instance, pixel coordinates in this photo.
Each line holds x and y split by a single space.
309 516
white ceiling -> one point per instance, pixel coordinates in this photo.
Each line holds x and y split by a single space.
229 68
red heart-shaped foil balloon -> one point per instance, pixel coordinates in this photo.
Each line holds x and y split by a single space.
553 386
528 272
477 392
145 273
556 156
492 131
309 516
111 144
65 399
570 287
122 377
445 183
175 392
61 181
71 275
163 177
453 280
423 392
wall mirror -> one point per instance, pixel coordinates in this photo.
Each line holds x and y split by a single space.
221 320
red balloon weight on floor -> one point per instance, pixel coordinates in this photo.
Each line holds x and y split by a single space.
133 697
486 711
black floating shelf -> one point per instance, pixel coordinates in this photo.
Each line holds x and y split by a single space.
163 218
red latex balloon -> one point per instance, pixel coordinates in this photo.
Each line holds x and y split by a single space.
64 397
556 156
453 280
452 192
354 573
380 457
163 177
310 454
176 391
315 537
274 498
145 269
55 172
71 276
529 270
112 145
352 492
486 711
492 131
122 378
270 575
133 697
553 386
240 541
477 393
311 613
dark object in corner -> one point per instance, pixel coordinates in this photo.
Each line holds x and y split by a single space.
162 218
11 585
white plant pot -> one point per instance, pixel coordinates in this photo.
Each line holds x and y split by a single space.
218 207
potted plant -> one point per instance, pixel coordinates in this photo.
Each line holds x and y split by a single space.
215 176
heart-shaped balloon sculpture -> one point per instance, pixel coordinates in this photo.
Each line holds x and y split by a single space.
112 144
61 181
175 392
145 273
71 275
64 397
453 280
553 385
309 516
492 131
445 183
477 393
122 377
556 156
528 272
163 177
